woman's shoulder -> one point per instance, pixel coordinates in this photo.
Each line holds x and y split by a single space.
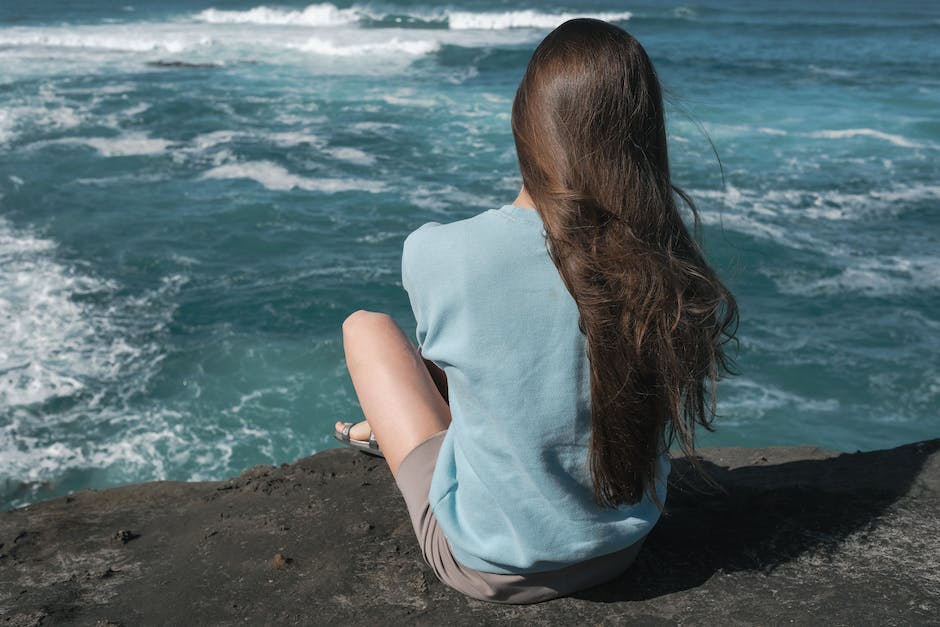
473 251
455 230
448 240
488 226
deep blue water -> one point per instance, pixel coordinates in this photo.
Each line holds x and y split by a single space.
193 195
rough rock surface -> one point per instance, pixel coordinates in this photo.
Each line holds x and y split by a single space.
798 535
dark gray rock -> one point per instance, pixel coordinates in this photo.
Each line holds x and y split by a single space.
795 535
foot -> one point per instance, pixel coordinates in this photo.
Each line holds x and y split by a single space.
359 431
358 436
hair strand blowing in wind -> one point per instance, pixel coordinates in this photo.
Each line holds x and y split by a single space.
590 135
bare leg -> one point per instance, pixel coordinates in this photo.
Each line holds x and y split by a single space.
398 397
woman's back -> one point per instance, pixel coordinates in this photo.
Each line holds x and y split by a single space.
511 489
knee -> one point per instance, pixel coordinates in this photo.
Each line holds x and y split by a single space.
361 322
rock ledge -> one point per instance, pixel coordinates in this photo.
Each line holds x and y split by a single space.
796 535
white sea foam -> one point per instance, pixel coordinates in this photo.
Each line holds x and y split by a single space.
897 140
324 14
327 14
787 217
120 88
467 20
153 443
744 400
6 126
351 155
246 399
831 72
33 283
53 343
784 205
375 127
74 337
118 38
275 177
130 144
127 145
381 236
218 38
891 275
49 114
137 109
394 46
294 138
443 198
406 98
752 213
207 142
213 139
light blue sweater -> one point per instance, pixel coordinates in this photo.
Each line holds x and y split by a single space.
511 490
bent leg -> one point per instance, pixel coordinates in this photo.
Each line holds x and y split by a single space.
396 392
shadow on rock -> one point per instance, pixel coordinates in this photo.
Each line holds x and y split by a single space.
762 517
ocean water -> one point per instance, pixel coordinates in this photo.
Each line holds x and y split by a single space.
193 195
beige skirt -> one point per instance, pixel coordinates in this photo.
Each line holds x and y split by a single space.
414 481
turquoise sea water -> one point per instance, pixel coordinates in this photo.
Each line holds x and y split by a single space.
193 195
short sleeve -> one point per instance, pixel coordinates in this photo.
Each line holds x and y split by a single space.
426 278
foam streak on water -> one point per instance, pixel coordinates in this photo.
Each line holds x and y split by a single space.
193 195
75 352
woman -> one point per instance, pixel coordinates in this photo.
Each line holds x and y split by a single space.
565 341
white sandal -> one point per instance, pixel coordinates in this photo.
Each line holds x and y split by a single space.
369 446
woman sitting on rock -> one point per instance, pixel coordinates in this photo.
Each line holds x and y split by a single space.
566 340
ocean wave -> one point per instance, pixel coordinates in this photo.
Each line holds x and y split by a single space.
277 178
771 205
75 349
891 275
324 14
276 175
745 400
7 122
127 145
502 20
56 109
222 39
376 128
753 213
51 114
412 47
198 46
351 155
443 198
830 72
158 444
897 140
55 340
142 38
287 139
35 362
406 98
790 218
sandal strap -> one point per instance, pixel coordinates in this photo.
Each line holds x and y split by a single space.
372 441
344 435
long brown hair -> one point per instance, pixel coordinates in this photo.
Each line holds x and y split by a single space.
590 135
